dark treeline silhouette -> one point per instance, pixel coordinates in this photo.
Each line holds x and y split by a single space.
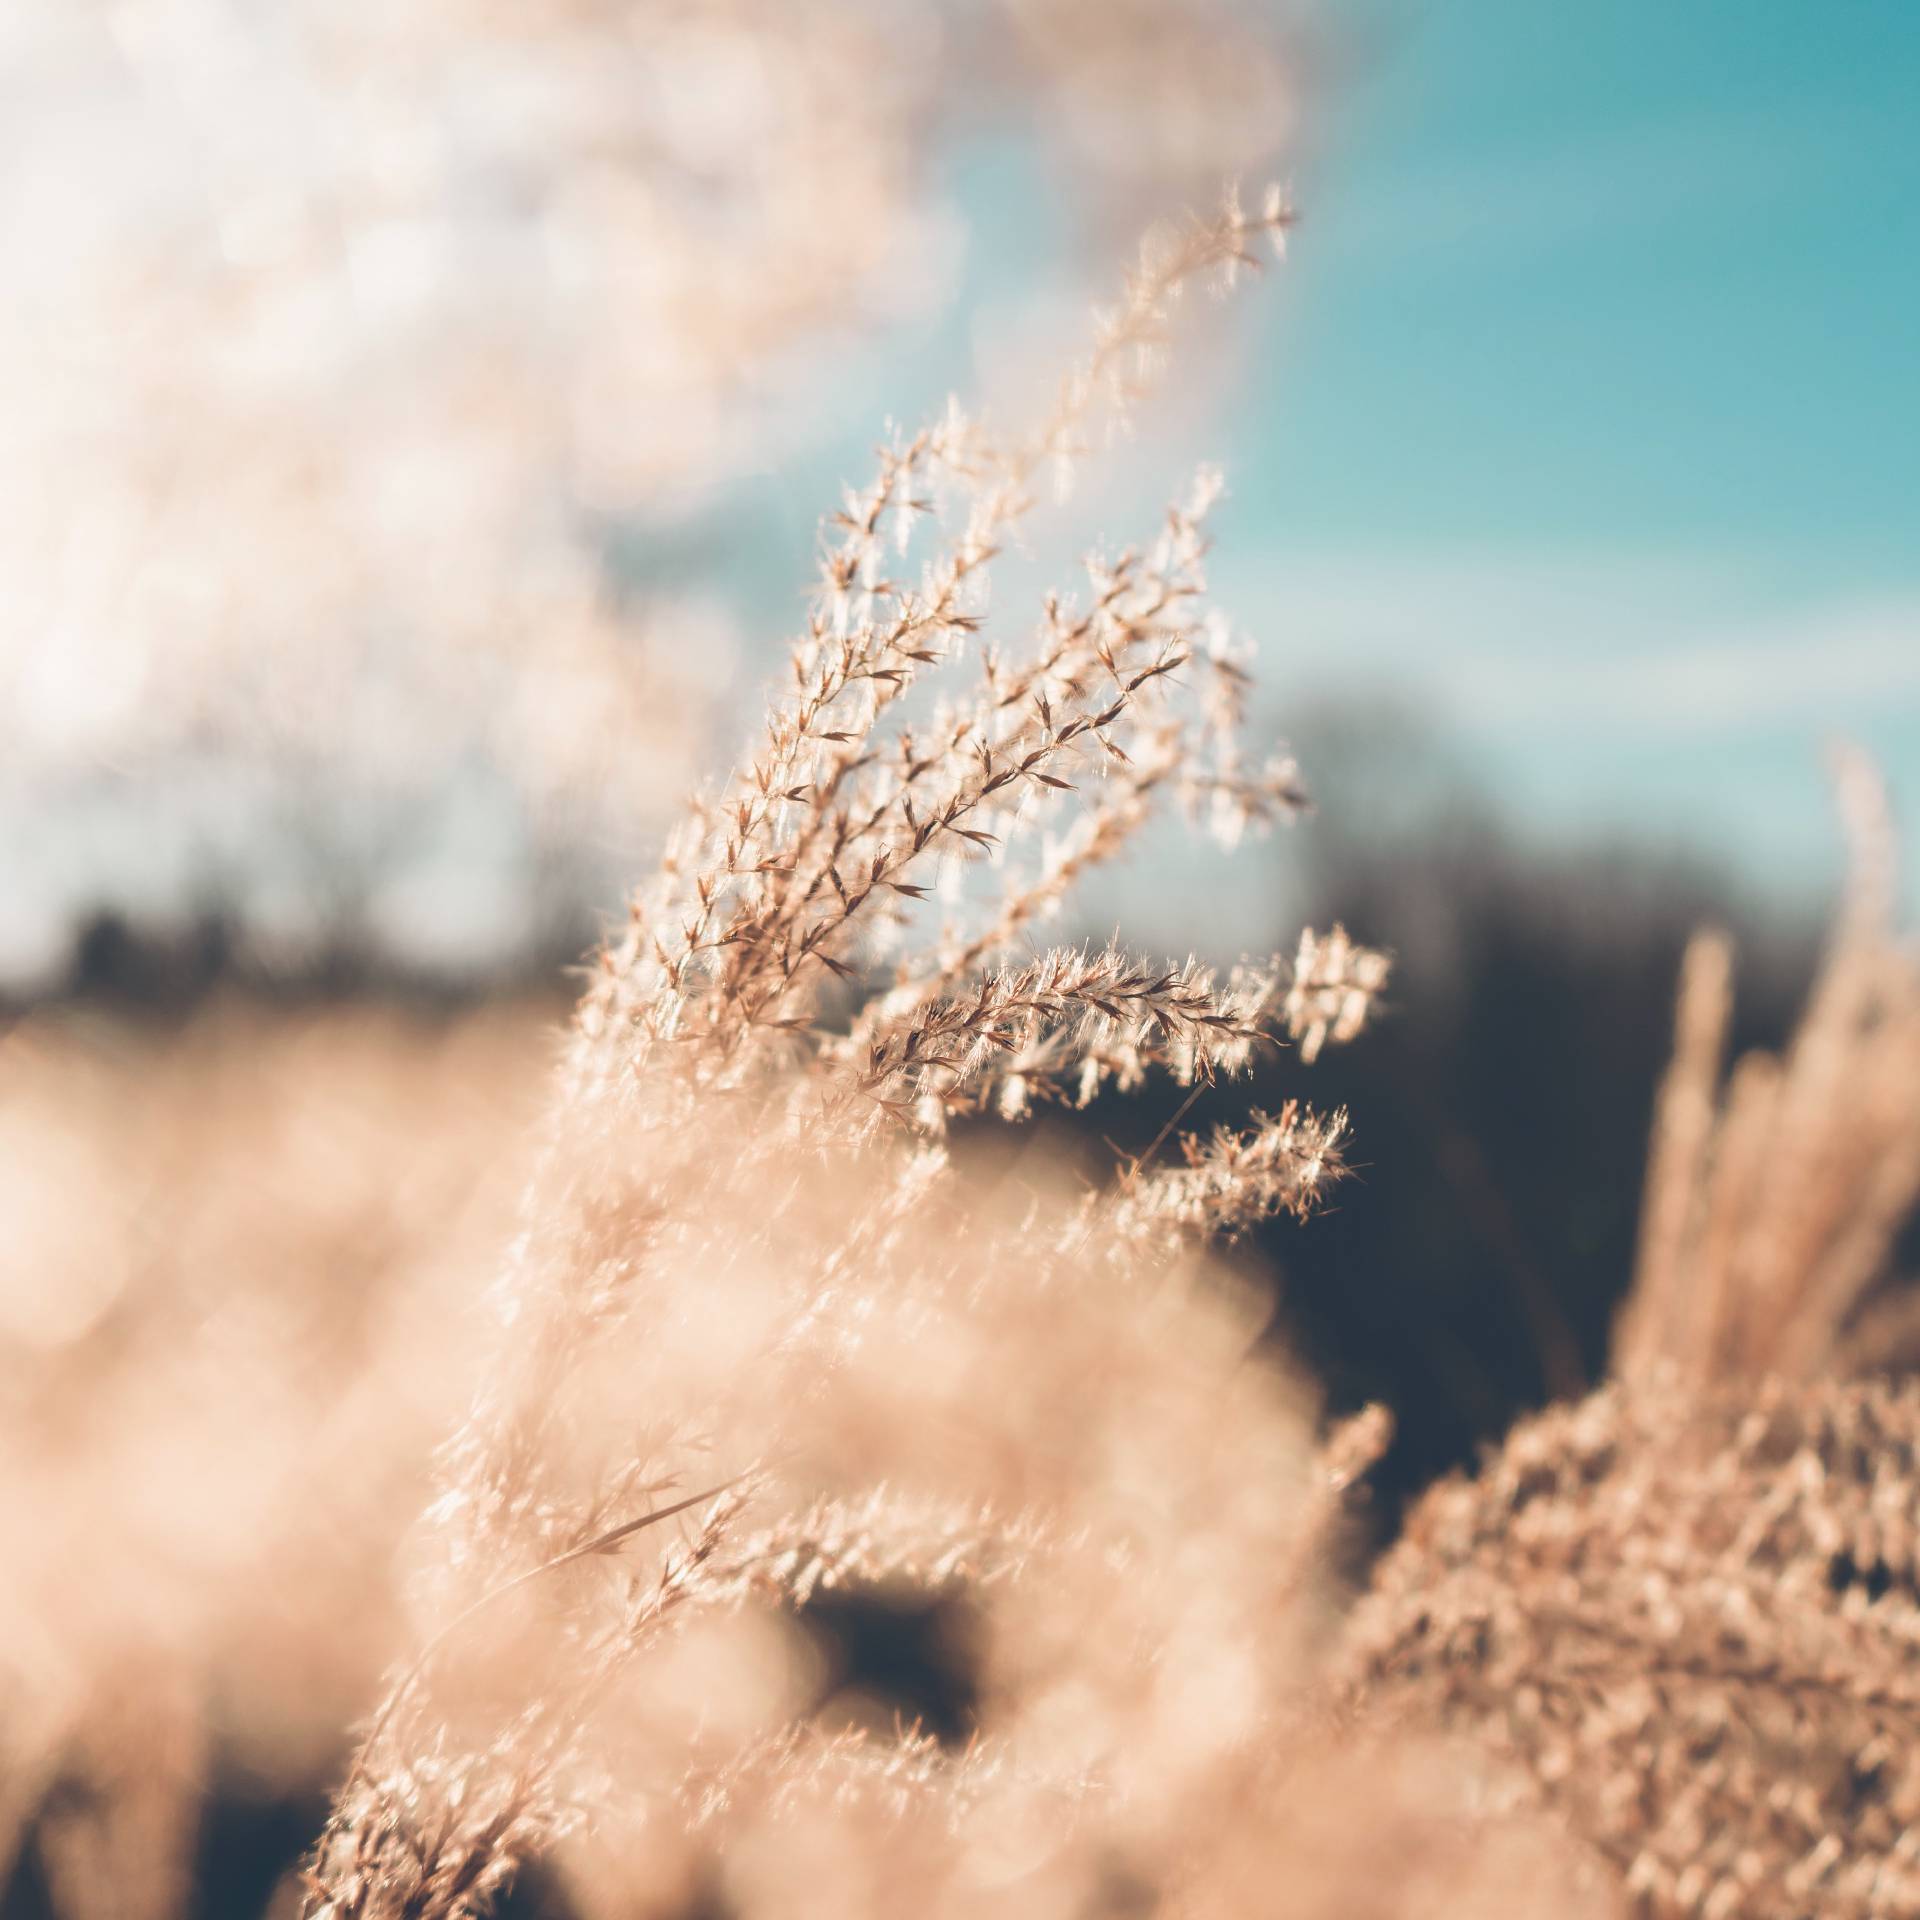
1471 1267
166 972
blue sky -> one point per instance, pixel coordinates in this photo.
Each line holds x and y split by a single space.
1585 416
1590 412
1629 274
1583 421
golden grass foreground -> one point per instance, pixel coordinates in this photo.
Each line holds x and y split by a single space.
760 1337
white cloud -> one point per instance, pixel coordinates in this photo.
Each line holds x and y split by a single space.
1537 645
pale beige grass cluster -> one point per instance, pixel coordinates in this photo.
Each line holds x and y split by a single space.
761 1338
1691 1617
1689 1607
233 1323
1772 1208
750 1266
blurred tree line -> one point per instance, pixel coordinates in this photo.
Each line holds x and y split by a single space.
1471 1266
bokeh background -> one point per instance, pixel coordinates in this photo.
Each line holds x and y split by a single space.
380 393
415 425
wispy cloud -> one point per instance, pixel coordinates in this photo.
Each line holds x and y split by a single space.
1639 647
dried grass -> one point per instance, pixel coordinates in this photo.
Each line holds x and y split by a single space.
761 1341
1687 1607
1772 1209
748 1259
234 1322
1692 1621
